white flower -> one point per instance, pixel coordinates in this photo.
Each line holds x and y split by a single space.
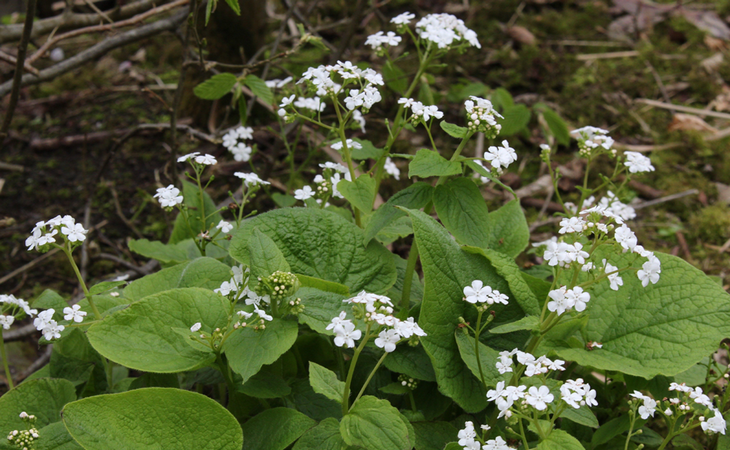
625 237
403 19
315 104
467 435
277 84
391 168
196 327
44 319
501 157
576 393
559 303
33 241
539 397
241 152
350 144
52 331
406 102
387 340
304 193
379 39
262 314
497 443
572 225
407 328
477 292
716 424
637 163
75 232
504 364
359 118
188 156
206 159
74 313
649 406
250 179
650 271
6 321
230 139
577 298
445 30
224 226
614 279
680 387
169 196
226 288
287 101
346 335
337 321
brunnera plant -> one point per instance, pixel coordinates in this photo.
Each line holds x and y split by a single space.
298 327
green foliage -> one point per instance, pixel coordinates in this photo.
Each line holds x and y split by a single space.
454 130
374 423
560 440
216 86
429 163
415 196
360 193
325 382
516 118
205 273
275 429
152 418
191 228
257 85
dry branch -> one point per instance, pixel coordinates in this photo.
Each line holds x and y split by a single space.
69 21
99 50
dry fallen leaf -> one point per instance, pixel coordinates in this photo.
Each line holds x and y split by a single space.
521 35
722 101
688 122
712 63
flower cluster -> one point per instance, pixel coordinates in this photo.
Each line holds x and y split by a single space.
374 310
277 84
446 30
479 293
501 157
577 393
533 366
169 196
197 158
43 233
234 142
468 439
378 40
482 117
24 439
391 169
638 163
250 180
592 138
564 299
326 186
237 289
47 326
12 307
420 112
696 396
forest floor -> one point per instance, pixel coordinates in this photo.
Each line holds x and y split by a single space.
570 55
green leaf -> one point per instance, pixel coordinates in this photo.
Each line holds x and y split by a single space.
447 269
190 229
684 442
463 211
368 151
275 429
42 397
323 285
105 286
507 268
411 361
395 78
526 323
142 337
265 385
54 437
360 193
415 196
234 6
582 416
164 253
453 130
434 435
508 230
266 258
49 299
487 356
325 382
206 273
428 163
320 307
515 120
152 418
555 123
216 86
248 350
242 110
502 99
314 405
395 388
321 244
560 440
259 88
74 359
611 429
661 329
325 436
375 424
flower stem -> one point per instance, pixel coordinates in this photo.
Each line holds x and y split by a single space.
4 356
524 437
476 348
351 371
370 377
67 251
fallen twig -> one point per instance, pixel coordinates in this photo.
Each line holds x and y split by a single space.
687 109
98 50
667 198
12 60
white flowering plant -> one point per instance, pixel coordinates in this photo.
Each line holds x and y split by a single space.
299 326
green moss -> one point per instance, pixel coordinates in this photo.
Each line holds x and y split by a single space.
711 224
